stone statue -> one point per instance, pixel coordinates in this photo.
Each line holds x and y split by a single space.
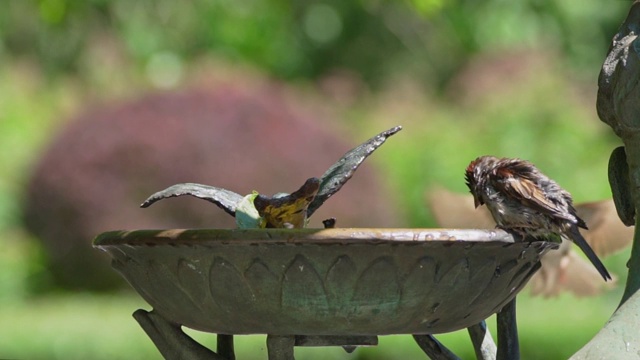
618 105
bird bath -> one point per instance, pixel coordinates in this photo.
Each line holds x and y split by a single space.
347 285
319 287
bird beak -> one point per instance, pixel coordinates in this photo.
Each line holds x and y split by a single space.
476 201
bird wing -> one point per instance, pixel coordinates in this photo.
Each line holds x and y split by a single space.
517 185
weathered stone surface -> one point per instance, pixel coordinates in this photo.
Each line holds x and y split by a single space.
618 106
324 281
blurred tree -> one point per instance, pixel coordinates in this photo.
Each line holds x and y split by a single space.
307 39
239 134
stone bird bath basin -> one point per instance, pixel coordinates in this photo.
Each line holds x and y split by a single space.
340 281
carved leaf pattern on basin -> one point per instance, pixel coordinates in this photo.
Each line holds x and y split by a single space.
425 293
228 286
303 289
376 287
379 287
264 284
192 280
161 277
377 290
482 276
339 282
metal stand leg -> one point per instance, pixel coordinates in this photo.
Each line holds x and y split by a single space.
508 346
280 347
482 341
173 343
170 340
434 348
225 347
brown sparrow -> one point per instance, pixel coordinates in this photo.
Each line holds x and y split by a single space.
562 270
523 200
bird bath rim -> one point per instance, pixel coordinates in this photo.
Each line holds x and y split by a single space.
342 281
153 237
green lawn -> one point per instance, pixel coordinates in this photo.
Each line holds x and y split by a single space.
88 326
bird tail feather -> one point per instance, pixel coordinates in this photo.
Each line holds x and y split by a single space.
577 238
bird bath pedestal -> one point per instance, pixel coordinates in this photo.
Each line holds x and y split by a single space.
320 287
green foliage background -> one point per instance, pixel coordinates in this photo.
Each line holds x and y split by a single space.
408 59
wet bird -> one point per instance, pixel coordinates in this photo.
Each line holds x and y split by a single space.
562 270
523 200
